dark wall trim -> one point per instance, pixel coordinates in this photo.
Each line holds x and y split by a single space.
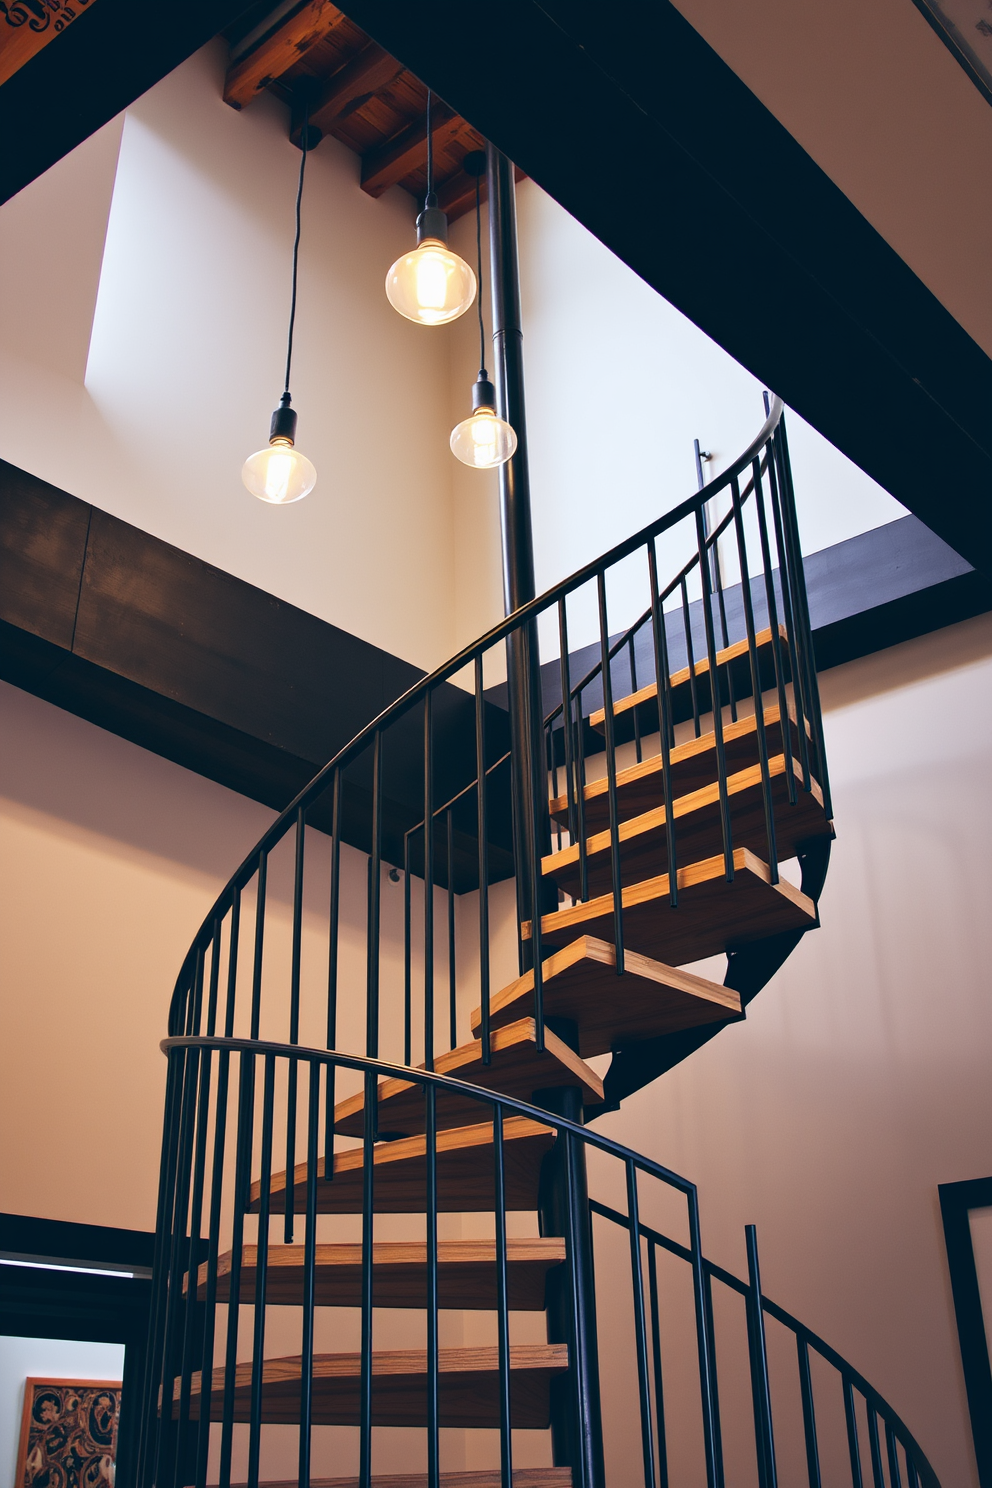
956 1202
64 1241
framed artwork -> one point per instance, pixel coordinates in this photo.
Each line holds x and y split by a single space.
68 1434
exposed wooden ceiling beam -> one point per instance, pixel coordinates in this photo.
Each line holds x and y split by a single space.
407 151
354 84
279 51
20 42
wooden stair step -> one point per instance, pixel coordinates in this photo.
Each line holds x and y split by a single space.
692 765
518 1068
465 1181
468 1388
698 830
580 983
466 1274
735 655
712 914
523 1477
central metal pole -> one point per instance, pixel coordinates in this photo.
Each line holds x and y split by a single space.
576 1427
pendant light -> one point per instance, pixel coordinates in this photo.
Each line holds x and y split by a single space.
280 473
484 440
431 285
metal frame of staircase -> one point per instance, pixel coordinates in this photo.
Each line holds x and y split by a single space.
649 811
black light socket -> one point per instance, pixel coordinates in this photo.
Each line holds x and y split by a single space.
283 425
483 395
432 223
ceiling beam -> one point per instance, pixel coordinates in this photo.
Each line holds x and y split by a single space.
354 84
20 42
280 50
406 152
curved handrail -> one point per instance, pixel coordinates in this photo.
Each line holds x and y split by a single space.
407 700
301 1054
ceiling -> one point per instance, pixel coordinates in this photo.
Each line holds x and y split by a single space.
357 92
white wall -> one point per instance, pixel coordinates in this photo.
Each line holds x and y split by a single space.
44 1358
860 1079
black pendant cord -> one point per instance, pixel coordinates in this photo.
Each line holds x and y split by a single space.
304 142
483 374
431 198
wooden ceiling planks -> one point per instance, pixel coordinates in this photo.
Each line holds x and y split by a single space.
361 95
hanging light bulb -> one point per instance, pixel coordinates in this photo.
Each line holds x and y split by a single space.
484 440
431 285
280 473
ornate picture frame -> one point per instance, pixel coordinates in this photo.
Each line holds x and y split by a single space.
68 1433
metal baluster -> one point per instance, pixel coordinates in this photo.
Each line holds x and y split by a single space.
261 1268
256 974
213 1253
773 622
666 731
452 971
214 979
611 774
169 1439
659 1383
912 1476
790 610
752 648
334 914
375 898
638 751
760 1391
711 1445
640 1332
853 1447
428 883
407 956
294 1015
809 1414
482 832
433 1359
552 768
195 996
721 756
536 787
502 1304
690 657
242 1190
309 1274
233 945
192 1248
895 1477
368 1231
714 1380
572 789
878 1476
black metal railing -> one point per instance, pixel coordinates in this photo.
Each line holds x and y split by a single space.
681 1377
371 928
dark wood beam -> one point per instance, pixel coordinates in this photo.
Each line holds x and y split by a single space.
355 83
406 152
279 50
30 28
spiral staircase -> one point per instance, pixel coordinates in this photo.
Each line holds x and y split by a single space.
381 1068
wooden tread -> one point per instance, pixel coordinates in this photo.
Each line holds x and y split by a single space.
698 832
523 1477
580 983
712 915
692 765
466 1274
468 1380
738 652
518 1068
464 1173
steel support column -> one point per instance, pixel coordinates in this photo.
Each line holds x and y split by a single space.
575 1411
